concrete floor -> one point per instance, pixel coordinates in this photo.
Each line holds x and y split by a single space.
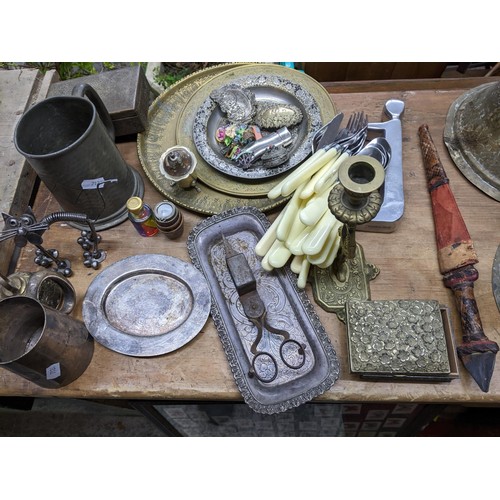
77 418
73 418
20 417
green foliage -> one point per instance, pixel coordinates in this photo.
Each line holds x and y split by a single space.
169 73
167 79
68 70
108 66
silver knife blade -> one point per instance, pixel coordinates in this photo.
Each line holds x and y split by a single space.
331 131
495 277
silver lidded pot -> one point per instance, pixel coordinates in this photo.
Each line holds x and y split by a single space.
178 164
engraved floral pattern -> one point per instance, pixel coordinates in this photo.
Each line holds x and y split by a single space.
266 398
279 311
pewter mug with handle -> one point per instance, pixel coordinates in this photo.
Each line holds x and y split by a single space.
43 345
69 142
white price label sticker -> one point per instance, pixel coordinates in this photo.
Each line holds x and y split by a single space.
96 183
53 371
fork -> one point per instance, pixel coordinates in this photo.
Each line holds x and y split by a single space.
353 136
357 122
353 139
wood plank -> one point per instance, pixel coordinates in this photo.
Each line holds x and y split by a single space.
406 258
19 90
353 71
410 84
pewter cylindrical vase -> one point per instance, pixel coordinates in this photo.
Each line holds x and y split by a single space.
69 142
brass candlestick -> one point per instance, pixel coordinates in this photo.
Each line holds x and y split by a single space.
354 201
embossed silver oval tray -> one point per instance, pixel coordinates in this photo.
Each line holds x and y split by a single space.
146 305
288 308
267 88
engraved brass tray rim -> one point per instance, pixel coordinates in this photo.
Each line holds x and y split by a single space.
467 161
326 365
208 201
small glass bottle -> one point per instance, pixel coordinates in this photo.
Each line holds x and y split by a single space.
141 216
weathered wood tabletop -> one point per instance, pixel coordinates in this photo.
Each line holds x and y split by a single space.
407 260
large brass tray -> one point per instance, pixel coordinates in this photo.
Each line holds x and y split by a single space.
160 135
167 120
472 136
185 123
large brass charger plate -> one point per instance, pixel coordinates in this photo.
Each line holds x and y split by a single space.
185 124
166 128
160 135
472 136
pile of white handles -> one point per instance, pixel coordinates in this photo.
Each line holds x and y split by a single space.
305 228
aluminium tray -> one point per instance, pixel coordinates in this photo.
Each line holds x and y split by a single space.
287 308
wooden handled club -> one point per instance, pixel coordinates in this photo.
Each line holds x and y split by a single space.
456 256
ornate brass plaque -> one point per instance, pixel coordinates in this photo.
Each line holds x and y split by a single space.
399 338
331 293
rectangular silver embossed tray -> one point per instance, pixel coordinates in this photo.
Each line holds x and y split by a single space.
288 308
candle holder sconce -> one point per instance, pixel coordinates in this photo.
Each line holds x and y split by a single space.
355 200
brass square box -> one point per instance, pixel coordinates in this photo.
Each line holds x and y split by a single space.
410 339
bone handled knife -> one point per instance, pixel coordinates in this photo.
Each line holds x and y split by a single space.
456 257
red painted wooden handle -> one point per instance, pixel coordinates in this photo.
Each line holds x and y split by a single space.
461 281
434 169
454 244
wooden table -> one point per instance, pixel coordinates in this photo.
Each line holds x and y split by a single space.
406 258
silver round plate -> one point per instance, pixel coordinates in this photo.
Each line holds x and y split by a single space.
266 88
146 305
